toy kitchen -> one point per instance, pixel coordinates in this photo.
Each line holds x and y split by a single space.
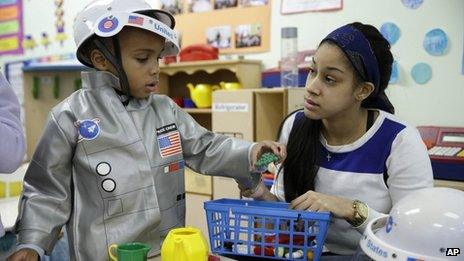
446 150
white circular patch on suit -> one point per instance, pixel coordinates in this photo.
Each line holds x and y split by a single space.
103 168
108 185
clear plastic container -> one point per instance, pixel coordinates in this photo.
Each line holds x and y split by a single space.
288 61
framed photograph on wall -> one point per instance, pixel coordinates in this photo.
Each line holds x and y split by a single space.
219 36
248 35
301 6
199 6
249 3
172 6
220 4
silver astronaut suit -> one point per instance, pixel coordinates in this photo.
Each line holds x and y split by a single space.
114 174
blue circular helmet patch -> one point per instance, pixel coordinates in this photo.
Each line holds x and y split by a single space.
89 129
108 24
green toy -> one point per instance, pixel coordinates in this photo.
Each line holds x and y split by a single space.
265 159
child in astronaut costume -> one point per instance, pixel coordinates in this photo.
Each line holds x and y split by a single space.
110 164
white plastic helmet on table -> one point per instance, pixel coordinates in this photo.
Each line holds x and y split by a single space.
427 224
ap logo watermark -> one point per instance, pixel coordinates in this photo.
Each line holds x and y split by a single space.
451 251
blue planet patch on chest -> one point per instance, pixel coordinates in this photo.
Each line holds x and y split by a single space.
88 129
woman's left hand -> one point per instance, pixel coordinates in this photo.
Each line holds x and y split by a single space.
315 201
262 147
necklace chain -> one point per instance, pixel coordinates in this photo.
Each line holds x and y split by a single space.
348 141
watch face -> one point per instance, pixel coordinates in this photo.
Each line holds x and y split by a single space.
363 210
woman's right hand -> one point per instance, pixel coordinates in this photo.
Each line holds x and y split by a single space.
24 254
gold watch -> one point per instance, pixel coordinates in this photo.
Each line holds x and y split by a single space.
361 212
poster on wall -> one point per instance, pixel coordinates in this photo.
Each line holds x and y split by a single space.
412 4
11 27
300 6
435 42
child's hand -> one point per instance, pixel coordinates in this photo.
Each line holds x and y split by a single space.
24 255
259 193
267 146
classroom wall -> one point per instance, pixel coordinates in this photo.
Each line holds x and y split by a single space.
439 102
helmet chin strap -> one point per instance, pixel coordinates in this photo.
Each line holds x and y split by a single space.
116 62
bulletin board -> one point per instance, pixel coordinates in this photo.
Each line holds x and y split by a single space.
234 26
11 27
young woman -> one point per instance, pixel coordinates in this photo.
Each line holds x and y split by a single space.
346 151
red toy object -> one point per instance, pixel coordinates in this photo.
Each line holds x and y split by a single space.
170 59
268 251
268 175
198 52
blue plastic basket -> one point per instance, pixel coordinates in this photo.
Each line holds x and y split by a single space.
265 229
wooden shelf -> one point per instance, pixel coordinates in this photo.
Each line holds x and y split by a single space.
174 78
209 66
449 184
197 110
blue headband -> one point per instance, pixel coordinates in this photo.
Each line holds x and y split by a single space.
358 50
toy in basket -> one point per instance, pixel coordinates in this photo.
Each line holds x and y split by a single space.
265 229
263 162
266 165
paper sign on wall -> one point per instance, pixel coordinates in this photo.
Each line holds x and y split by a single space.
299 6
230 107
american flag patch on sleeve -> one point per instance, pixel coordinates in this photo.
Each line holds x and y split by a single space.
169 144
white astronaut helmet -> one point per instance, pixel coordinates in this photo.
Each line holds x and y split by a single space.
427 224
106 18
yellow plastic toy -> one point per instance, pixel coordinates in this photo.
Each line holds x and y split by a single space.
184 244
201 94
230 86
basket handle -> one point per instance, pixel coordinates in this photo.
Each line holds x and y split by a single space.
281 213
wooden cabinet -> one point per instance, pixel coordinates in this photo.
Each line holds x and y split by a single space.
44 87
254 115
175 77
259 111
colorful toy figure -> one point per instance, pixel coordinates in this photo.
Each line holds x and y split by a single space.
60 35
45 41
29 42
